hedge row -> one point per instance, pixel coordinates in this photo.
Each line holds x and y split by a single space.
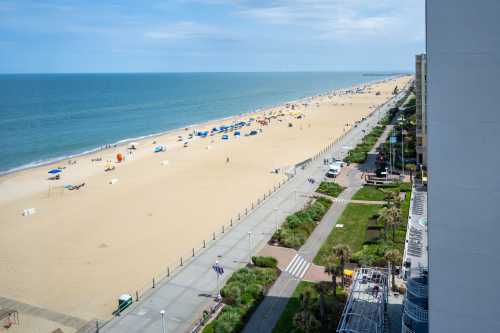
360 152
297 227
330 188
242 294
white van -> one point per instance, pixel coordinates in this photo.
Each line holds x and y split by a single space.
334 170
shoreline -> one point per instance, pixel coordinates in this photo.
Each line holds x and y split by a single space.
122 142
121 233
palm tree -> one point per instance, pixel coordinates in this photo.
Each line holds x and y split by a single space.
304 319
392 198
322 289
382 218
333 270
391 217
343 253
393 257
394 220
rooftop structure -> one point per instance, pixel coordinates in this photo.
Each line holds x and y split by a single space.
365 307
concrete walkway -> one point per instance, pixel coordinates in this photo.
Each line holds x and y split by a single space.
190 290
269 311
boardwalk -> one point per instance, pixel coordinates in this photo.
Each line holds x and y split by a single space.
269 311
188 292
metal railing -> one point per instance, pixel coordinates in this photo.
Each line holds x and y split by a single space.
417 288
173 268
415 312
406 329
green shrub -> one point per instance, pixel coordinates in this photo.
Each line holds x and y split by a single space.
242 293
265 261
293 221
330 188
247 299
300 225
229 320
292 240
304 216
405 187
255 290
209 328
231 294
325 202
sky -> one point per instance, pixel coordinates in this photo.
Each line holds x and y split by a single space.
56 36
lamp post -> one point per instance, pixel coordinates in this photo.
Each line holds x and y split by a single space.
276 217
249 247
163 326
402 147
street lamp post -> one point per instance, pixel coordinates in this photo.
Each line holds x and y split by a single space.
249 247
402 148
163 326
276 217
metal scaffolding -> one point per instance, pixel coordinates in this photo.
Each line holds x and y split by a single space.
365 307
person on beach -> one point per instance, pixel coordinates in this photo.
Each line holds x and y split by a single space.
227 159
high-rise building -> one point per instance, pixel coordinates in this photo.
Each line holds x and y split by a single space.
463 121
421 107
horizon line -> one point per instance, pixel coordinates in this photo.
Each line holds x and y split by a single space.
381 72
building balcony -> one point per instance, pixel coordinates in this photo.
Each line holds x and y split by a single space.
411 326
406 329
418 287
415 312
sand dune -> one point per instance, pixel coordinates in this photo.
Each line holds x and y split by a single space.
83 248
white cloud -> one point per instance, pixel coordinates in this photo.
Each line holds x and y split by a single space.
186 30
343 19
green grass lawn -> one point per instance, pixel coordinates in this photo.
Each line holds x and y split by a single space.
371 193
355 219
330 188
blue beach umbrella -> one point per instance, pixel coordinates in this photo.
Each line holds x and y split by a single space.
55 171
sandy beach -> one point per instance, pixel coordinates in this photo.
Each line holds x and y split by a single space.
82 248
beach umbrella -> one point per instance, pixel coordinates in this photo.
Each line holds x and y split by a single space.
55 171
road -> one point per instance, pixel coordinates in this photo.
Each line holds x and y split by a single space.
190 290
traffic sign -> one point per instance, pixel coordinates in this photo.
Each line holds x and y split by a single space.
393 139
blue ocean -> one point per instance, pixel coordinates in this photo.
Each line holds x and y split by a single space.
44 117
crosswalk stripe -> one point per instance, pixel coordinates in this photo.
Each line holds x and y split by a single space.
305 270
296 268
291 262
